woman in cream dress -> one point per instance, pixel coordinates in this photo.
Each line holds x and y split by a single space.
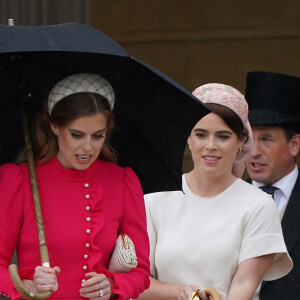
219 232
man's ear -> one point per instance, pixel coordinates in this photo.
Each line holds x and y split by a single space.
294 144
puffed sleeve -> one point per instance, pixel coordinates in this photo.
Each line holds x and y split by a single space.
11 216
263 235
133 283
151 232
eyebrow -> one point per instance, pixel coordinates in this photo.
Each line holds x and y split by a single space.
99 131
220 131
268 135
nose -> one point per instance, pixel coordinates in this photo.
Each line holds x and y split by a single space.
87 145
211 144
256 150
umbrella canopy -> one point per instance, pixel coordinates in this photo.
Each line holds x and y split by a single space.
154 115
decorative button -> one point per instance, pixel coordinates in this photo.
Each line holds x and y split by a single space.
87 245
87 196
88 219
88 231
88 208
84 268
86 185
85 256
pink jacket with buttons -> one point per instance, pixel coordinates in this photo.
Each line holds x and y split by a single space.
83 213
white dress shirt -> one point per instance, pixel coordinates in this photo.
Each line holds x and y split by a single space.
285 187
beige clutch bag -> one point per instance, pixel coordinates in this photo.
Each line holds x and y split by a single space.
123 258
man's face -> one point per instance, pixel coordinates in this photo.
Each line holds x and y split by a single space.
272 156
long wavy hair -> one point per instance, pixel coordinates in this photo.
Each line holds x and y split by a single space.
70 108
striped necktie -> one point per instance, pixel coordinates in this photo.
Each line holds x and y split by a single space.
269 189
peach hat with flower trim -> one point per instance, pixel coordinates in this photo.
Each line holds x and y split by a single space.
233 99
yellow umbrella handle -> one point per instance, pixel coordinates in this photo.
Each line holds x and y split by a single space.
212 293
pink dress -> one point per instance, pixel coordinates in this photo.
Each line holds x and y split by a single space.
83 213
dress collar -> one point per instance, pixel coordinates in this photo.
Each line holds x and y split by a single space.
71 175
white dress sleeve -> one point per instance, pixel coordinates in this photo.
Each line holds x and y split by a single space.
262 236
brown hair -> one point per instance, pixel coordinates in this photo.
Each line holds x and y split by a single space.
68 109
232 120
288 133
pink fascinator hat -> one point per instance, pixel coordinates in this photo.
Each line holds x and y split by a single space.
230 97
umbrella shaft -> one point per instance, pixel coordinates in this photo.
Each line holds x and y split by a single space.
34 187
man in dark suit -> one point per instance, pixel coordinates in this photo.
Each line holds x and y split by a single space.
274 114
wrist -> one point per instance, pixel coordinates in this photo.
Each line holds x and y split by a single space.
28 284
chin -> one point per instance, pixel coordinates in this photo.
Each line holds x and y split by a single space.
81 167
261 179
84 167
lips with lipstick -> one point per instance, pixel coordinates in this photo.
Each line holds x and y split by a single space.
83 158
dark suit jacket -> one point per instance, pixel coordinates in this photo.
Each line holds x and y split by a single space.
288 287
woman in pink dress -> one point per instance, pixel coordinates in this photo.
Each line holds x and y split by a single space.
87 200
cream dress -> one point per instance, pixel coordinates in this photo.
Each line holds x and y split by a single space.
202 240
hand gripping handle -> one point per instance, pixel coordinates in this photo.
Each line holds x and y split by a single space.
24 291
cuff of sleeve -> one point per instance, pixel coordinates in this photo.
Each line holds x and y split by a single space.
115 288
26 274
264 245
12 292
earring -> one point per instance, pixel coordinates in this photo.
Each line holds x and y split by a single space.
239 150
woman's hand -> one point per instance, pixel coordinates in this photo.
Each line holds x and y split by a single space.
45 279
96 286
188 291
159 290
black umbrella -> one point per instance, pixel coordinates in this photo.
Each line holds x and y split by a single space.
154 114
